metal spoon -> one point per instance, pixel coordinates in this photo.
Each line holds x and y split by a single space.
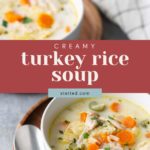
28 137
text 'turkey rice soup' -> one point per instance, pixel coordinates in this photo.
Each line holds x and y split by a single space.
36 19
108 123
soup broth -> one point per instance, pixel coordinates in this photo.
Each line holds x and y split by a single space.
37 19
107 123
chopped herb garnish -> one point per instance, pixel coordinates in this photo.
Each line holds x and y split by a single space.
67 122
120 100
110 117
74 140
100 122
105 126
5 23
94 118
27 20
72 146
107 148
61 132
145 123
60 138
85 135
52 146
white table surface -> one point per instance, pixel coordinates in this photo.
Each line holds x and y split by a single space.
12 109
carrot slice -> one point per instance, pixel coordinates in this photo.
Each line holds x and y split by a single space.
83 116
115 107
101 138
148 135
129 122
45 20
12 16
25 2
126 137
93 147
104 137
68 29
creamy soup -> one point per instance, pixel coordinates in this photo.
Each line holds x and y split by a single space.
37 19
109 123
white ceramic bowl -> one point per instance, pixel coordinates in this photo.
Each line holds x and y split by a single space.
58 104
74 35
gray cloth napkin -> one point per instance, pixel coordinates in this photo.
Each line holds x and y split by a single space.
133 16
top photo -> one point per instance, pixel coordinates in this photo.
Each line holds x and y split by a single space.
74 20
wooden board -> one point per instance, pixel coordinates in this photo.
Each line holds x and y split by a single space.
92 22
34 115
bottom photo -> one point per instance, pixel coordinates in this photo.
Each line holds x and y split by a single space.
113 121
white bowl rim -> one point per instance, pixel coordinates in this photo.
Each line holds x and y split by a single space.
42 121
79 21
44 114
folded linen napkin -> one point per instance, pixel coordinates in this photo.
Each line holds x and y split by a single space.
133 16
